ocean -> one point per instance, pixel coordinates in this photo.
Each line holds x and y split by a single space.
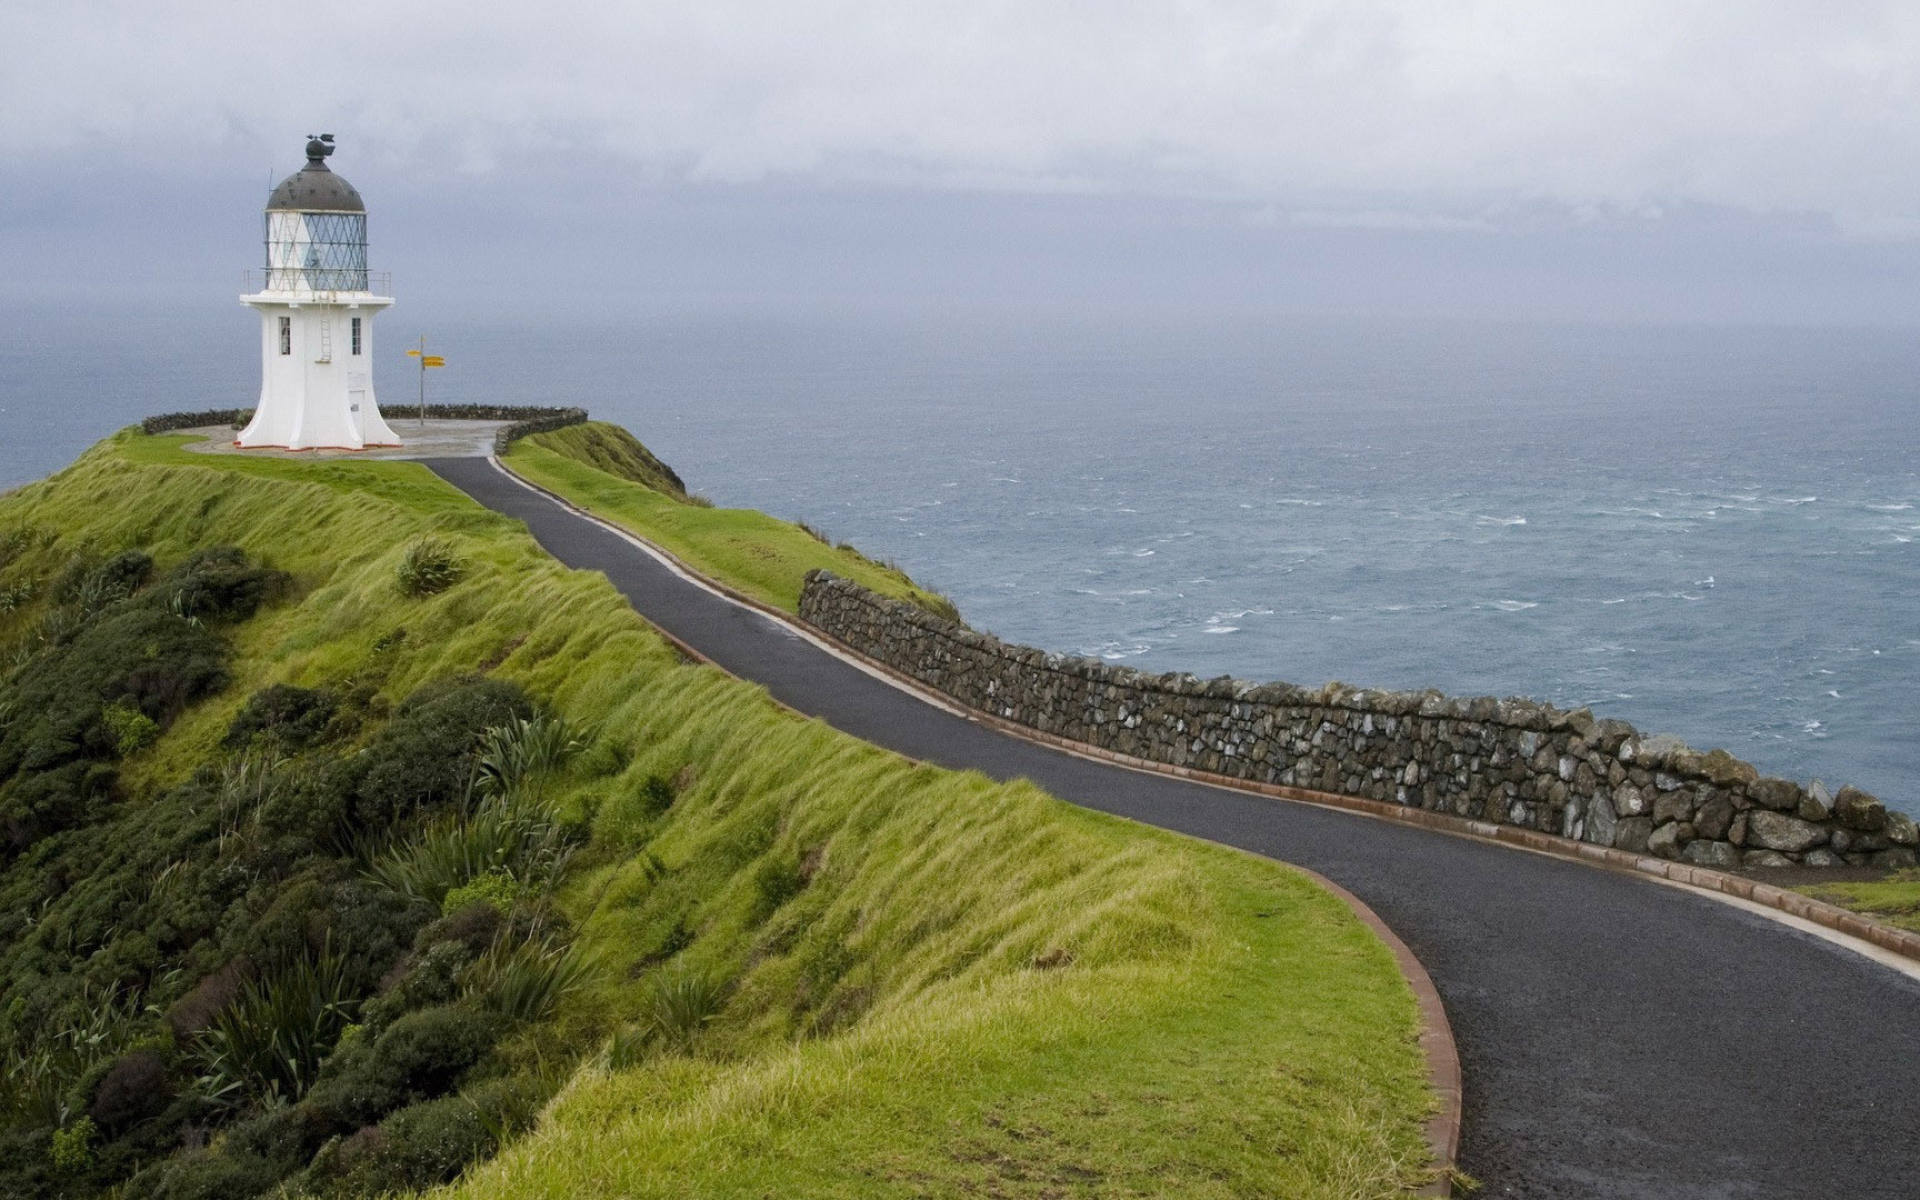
1705 531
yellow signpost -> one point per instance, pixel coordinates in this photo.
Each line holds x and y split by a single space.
426 360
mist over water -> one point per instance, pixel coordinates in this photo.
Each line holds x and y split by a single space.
1708 532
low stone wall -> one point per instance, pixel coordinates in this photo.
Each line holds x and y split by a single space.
164 422
1512 761
527 418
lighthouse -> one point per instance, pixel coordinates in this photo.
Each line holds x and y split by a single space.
316 304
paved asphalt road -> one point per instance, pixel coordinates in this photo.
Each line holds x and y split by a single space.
1618 1037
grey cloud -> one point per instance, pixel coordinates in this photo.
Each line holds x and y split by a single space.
1423 111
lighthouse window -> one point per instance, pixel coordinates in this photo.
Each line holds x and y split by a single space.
356 335
286 335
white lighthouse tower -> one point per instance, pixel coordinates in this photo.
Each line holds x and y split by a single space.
316 305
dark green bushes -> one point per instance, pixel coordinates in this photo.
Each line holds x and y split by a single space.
418 1147
218 584
289 718
261 962
420 1057
244 877
106 671
136 1087
423 758
267 1043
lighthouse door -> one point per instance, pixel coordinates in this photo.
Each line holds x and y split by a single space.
356 400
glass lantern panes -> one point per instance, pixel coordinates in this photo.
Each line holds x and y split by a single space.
316 251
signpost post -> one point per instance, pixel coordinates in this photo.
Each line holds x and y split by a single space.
426 360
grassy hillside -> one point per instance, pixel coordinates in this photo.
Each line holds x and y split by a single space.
615 451
811 968
760 555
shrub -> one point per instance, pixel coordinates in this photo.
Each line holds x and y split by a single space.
234 417
427 978
138 1086
220 584
138 659
72 1148
73 573
128 729
314 803
292 717
421 1056
495 890
425 1144
268 1044
423 755
110 582
429 566
474 926
206 1176
207 999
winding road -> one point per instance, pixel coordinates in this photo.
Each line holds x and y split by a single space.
1619 1037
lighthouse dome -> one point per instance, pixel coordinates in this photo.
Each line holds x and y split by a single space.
314 187
316 229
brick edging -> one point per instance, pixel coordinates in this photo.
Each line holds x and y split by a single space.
1437 1046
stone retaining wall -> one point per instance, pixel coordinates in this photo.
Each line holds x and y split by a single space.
528 418
1512 761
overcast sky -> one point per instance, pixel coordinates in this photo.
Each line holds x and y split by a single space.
1670 161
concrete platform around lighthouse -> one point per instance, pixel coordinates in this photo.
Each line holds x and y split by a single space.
432 438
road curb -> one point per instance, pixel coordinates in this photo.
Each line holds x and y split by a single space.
1436 1040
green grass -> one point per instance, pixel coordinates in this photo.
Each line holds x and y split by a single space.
615 451
759 555
934 984
1893 901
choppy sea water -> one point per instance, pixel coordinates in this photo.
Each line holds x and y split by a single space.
1708 532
